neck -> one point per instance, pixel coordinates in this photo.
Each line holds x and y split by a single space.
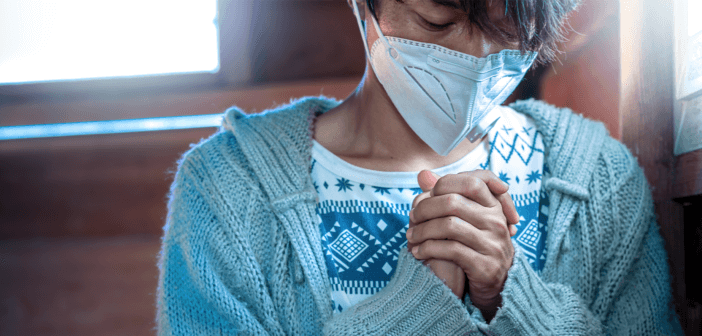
366 130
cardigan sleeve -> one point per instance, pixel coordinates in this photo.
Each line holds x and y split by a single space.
634 300
414 302
198 295
208 283
633 293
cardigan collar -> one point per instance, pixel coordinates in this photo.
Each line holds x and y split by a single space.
278 146
278 143
572 143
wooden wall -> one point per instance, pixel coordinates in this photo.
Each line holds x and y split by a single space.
618 68
586 76
113 184
80 217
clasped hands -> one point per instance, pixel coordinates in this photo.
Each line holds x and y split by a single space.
460 227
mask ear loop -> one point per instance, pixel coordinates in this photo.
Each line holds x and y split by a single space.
392 50
360 27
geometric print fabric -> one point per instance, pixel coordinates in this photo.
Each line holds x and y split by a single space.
363 215
516 155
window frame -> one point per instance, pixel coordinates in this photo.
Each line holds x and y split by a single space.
233 70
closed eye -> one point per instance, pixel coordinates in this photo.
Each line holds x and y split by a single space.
436 27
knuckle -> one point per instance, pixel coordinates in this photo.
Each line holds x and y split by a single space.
492 272
473 182
489 174
472 186
455 250
453 202
490 247
495 275
452 224
500 225
441 185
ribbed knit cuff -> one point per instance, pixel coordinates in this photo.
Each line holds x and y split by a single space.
532 307
415 302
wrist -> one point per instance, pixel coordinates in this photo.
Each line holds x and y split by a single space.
488 308
487 305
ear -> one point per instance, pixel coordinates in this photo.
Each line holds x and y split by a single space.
361 7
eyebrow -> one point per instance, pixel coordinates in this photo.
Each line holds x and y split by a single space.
447 3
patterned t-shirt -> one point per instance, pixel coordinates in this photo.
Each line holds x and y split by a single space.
364 214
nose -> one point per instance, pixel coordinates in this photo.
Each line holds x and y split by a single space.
476 43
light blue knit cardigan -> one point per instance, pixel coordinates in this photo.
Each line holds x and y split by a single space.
241 252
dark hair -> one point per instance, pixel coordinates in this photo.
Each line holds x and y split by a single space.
538 25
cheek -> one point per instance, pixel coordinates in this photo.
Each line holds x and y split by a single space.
397 20
393 25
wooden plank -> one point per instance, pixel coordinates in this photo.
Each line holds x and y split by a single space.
688 174
587 80
79 286
646 112
293 40
113 184
145 104
89 185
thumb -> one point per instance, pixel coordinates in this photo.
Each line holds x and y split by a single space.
427 179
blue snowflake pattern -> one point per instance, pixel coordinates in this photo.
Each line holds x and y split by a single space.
504 178
534 176
343 184
484 166
416 191
382 190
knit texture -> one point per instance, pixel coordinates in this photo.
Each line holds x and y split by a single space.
241 252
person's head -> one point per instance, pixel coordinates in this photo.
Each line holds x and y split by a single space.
476 27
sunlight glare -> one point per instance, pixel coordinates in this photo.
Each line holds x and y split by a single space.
53 40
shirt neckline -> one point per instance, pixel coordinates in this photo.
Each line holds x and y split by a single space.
393 179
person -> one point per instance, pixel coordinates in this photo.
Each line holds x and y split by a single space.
419 205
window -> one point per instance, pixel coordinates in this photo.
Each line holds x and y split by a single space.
52 40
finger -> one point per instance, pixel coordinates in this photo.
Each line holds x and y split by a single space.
499 189
494 183
419 199
452 228
461 207
512 230
449 250
468 185
427 179
416 201
508 208
484 270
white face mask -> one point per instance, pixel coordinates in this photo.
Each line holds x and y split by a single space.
444 95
